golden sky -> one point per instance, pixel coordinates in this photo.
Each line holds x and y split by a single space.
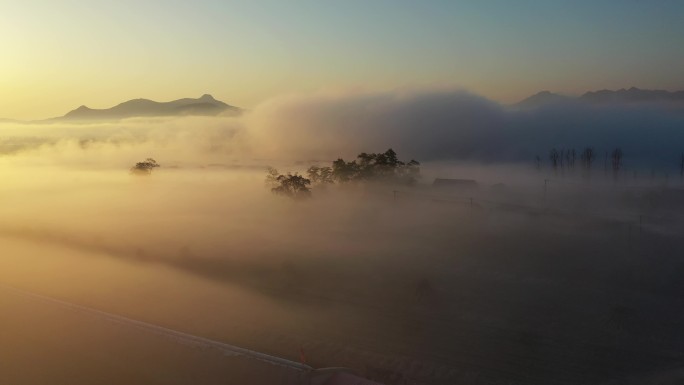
58 55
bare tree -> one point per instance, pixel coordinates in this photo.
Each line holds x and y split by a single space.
570 158
587 157
537 162
553 157
616 157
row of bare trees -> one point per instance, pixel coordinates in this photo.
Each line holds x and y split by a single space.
566 159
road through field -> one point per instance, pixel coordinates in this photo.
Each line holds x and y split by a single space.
46 340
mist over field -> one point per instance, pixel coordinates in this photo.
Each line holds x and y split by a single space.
341 193
430 125
532 273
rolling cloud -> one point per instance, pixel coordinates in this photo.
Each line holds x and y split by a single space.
456 125
428 125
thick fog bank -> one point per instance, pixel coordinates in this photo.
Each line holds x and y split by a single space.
434 125
427 125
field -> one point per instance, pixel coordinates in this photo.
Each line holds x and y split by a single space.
576 286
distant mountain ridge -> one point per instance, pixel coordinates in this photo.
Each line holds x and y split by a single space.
205 105
632 95
621 96
542 98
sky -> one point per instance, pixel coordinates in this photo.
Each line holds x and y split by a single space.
56 56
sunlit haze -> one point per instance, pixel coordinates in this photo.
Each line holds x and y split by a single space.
341 193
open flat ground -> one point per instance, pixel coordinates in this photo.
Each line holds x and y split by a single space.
412 291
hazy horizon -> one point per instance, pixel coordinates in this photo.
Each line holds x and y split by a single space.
438 124
360 201
341 91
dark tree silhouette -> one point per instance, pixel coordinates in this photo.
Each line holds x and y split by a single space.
376 166
616 157
554 157
383 166
145 167
587 158
320 175
570 158
408 173
293 186
343 171
537 162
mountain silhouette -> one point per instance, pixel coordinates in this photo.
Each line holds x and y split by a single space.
632 95
205 105
541 99
622 96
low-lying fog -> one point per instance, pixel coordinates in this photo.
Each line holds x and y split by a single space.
534 276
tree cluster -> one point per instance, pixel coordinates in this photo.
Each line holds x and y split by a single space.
145 167
320 175
563 159
385 167
290 185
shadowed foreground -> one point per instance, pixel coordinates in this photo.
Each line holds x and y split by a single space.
581 286
75 347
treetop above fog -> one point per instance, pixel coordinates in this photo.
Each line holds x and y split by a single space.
381 167
145 167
